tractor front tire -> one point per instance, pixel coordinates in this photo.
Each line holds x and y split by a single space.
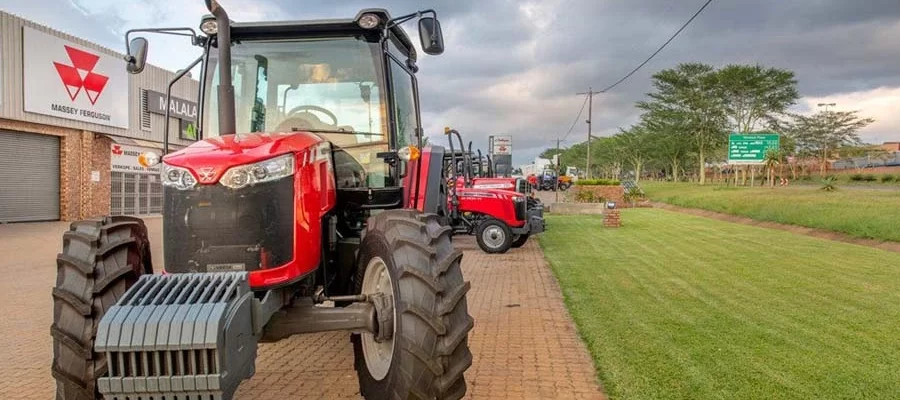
99 262
428 351
493 236
519 240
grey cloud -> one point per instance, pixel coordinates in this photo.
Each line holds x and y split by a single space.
506 70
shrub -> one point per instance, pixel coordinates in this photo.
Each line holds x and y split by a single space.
869 178
828 183
584 196
856 177
598 182
633 194
887 178
805 178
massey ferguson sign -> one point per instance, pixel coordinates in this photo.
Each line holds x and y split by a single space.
124 158
65 80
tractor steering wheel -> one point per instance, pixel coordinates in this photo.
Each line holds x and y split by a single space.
309 107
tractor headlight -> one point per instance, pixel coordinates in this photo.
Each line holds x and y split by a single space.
263 171
177 177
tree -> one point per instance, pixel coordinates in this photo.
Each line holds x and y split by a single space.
549 153
607 157
634 146
692 95
822 133
753 94
668 141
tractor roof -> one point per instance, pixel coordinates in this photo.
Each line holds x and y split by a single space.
320 27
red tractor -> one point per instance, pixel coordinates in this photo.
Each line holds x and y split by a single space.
284 223
500 219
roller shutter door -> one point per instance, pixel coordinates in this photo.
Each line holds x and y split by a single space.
29 188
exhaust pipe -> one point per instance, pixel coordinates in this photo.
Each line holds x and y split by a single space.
225 88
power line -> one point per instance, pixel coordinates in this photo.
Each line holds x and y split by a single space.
659 49
576 119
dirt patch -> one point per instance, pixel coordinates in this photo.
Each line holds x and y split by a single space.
814 232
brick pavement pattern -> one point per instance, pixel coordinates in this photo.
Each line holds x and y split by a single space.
524 343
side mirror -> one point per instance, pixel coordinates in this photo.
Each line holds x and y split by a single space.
430 36
137 55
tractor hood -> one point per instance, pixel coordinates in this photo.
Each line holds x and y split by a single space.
491 193
495 183
218 154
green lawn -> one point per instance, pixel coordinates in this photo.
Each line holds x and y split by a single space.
673 306
864 213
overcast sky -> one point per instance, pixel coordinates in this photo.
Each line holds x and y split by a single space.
513 67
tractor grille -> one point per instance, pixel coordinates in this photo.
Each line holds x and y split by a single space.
168 337
212 228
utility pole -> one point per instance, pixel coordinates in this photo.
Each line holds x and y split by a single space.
557 170
590 93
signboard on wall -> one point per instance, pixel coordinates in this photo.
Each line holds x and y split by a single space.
66 80
750 148
501 145
124 158
178 108
188 130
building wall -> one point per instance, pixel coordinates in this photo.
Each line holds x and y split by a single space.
84 146
891 146
153 78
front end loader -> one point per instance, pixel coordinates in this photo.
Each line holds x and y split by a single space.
307 205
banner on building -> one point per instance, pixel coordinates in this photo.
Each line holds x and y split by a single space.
66 80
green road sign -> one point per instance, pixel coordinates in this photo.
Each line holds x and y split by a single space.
750 148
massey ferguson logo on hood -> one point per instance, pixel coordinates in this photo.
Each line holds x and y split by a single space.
207 174
81 75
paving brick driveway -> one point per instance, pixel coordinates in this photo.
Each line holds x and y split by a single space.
524 344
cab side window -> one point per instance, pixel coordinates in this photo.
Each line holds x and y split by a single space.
406 117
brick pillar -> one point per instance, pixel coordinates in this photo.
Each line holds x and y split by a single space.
87 148
69 172
100 191
612 219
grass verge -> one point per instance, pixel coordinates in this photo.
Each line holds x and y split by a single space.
869 214
673 306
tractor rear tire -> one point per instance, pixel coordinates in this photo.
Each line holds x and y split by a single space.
493 236
429 350
100 261
519 240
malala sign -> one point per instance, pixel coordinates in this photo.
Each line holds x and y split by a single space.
66 80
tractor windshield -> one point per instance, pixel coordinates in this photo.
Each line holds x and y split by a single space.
331 86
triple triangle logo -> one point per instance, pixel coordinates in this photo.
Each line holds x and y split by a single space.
80 75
